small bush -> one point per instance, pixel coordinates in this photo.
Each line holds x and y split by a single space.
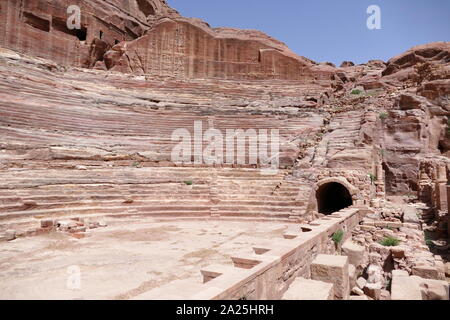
384 115
338 236
356 92
372 177
189 183
390 242
136 164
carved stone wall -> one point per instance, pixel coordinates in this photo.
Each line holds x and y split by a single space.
178 48
39 27
165 43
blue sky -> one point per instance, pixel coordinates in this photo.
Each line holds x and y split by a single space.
331 30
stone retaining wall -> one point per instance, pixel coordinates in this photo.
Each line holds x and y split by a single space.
270 269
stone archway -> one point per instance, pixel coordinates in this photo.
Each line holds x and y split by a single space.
334 194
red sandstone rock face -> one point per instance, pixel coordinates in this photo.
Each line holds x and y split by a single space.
179 48
172 46
437 91
416 127
402 67
39 27
76 142
100 126
438 51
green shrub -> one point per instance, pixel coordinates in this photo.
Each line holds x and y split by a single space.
136 164
356 92
372 177
338 236
189 183
384 115
390 242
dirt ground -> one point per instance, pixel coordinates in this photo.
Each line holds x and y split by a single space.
127 258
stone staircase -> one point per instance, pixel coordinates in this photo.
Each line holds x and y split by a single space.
241 192
344 130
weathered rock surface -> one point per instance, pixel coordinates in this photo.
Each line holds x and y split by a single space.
39 27
182 49
405 287
438 52
148 37
356 253
86 125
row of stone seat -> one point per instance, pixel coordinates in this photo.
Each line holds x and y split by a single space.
159 191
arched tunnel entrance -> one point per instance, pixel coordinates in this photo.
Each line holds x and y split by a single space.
332 197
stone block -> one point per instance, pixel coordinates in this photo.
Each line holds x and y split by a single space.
306 289
440 267
46 224
394 225
66 225
434 289
352 275
8 235
332 269
357 291
426 272
354 252
404 287
398 252
78 235
361 282
373 290
381 224
368 228
375 258
411 226
385 295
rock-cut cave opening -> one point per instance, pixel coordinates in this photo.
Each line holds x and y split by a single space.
332 197
146 8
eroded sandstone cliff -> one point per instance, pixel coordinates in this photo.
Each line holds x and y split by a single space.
153 71
87 120
147 36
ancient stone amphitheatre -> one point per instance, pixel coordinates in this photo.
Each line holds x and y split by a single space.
93 205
